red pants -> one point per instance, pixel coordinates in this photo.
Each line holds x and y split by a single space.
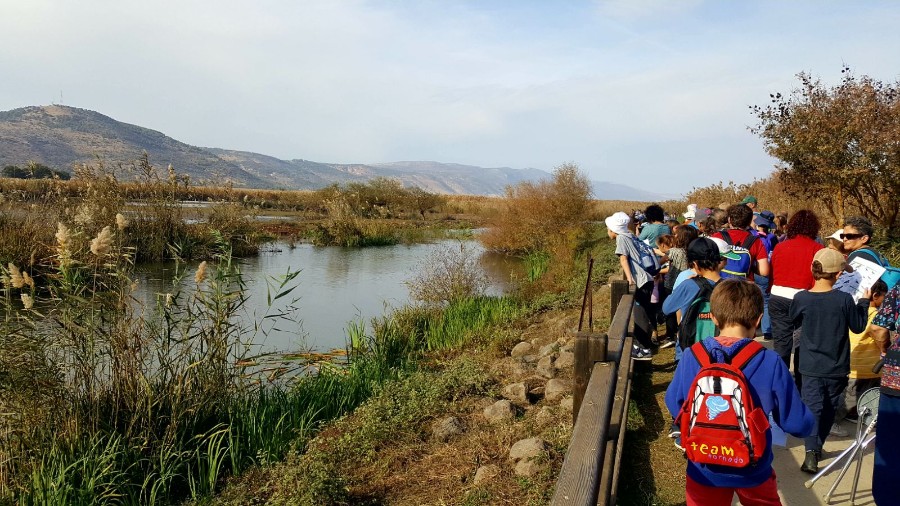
764 494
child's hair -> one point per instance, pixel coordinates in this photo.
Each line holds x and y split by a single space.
740 215
706 265
684 235
879 288
818 273
836 244
666 240
673 224
711 226
780 223
736 302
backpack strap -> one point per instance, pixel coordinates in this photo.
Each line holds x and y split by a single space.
882 262
704 358
727 237
751 238
746 354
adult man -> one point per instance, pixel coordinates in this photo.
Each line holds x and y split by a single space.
750 201
745 243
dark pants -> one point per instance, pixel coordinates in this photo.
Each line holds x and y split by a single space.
782 327
671 319
855 388
823 397
887 453
641 314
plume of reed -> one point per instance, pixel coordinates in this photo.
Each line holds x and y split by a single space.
200 275
27 301
121 221
15 276
101 244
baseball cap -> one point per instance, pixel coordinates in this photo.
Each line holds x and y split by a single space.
837 234
704 248
691 211
831 260
725 249
618 223
749 199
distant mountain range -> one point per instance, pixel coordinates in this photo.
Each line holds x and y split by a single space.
61 136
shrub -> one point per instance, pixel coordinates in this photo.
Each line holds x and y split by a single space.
448 274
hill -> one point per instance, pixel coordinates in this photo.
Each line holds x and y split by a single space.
61 136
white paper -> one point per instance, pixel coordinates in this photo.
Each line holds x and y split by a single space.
865 274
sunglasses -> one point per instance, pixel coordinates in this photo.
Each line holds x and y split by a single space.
851 236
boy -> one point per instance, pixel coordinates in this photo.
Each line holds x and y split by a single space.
737 308
743 241
865 352
825 318
629 250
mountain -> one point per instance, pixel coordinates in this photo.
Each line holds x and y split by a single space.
61 136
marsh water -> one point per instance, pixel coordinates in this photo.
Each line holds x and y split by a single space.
335 286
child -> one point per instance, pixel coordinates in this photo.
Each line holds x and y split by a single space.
629 250
825 317
737 307
865 352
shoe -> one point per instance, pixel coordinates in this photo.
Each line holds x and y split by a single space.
837 430
638 353
811 463
667 343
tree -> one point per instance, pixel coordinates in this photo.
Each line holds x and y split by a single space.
840 142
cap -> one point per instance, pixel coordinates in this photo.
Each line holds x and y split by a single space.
725 249
618 223
831 260
837 234
691 211
704 248
749 199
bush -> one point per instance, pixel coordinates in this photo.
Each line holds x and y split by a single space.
446 275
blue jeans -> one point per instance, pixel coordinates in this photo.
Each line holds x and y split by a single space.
763 284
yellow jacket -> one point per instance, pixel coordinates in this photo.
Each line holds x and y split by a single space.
864 351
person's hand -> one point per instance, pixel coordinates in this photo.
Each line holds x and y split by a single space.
868 294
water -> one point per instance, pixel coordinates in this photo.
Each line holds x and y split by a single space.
335 286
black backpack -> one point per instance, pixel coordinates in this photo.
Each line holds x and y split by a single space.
696 323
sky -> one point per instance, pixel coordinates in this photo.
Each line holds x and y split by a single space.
653 94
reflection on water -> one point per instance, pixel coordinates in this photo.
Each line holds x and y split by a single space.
336 286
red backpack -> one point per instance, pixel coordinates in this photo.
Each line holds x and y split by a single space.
720 424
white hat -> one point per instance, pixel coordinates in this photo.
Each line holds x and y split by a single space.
691 211
837 234
725 250
618 223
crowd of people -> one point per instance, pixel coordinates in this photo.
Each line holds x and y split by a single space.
724 281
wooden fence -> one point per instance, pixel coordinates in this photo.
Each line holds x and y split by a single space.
602 388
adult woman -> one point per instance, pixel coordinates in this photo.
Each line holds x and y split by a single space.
887 444
791 273
856 235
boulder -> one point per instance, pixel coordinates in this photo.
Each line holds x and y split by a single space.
548 349
567 403
527 448
530 359
565 360
544 416
500 411
521 349
528 468
486 473
516 392
444 429
546 368
556 389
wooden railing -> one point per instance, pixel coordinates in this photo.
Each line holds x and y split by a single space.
602 388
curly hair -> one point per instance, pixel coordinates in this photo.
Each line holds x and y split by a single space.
804 222
740 215
684 235
654 213
862 225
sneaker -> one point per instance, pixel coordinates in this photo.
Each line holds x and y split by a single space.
837 430
638 353
811 463
667 343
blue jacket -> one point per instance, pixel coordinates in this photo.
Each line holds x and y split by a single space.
773 390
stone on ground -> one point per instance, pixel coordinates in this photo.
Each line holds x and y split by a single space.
528 468
566 360
548 350
444 429
500 411
556 389
567 403
516 392
521 349
527 448
546 368
486 473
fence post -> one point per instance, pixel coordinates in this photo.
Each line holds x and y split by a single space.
617 288
590 348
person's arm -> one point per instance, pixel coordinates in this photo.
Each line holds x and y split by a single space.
796 312
858 314
762 267
882 336
677 298
685 371
793 416
623 260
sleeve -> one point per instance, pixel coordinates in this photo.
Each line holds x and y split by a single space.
796 312
681 296
889 310
857 314
645 233
621 249
677 392
793 416
759 250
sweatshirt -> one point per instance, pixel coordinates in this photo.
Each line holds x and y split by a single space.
826 320
773 390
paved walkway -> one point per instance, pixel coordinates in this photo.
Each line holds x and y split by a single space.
791 479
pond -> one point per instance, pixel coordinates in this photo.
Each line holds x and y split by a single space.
335 287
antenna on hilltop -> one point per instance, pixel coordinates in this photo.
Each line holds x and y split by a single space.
60 97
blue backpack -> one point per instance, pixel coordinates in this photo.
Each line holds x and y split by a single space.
739 268
891 274
648 259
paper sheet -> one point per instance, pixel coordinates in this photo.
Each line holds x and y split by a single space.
865 274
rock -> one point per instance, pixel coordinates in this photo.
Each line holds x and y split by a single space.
486 473
534 381
568 348
521 349
567 403
500 411
535 394
556 389
546 368
548 350
530 359
516 392
544 416
520 370
566 360
527 448
528 468
444 429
